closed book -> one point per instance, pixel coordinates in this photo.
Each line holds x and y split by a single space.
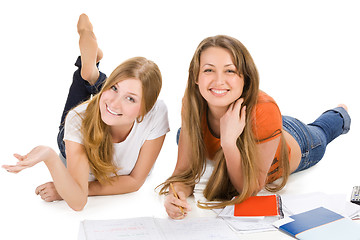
258 206
320 223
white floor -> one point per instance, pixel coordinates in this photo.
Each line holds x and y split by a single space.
307 55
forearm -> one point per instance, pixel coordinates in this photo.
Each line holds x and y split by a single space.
65 184
235 170
119 185
234 166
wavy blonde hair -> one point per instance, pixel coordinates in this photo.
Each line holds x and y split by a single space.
97 138
219 186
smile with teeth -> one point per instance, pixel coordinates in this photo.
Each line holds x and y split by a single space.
219 91
112 112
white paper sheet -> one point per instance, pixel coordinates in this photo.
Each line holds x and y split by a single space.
155 228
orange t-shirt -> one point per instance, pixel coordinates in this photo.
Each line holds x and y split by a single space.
267 125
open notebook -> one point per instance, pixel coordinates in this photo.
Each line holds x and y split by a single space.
150 228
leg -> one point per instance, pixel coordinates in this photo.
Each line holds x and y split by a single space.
334 122
91 54
81 89
313 138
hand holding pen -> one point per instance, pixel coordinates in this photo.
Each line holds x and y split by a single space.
176 204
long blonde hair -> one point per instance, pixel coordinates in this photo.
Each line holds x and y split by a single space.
97 139
219 186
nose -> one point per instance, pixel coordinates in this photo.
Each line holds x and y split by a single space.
219 78
116 103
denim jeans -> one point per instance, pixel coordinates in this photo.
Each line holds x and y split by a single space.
314 137
80 91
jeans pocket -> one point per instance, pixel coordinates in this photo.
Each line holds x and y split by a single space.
315 139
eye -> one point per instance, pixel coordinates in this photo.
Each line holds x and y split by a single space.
130 99
230 71
114 88
208 70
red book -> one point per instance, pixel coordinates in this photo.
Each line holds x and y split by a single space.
257 206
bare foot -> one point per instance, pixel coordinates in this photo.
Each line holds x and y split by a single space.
343 106
90 52
84 24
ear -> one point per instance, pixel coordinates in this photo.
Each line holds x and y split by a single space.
139 119
197 80
141 113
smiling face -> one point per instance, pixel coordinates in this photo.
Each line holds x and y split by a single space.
219 82
121 104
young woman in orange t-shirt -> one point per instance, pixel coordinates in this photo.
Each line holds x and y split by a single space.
227 122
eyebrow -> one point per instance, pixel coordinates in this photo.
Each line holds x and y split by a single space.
134 94
212 65
131 93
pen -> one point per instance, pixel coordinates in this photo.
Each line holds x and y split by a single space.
175 195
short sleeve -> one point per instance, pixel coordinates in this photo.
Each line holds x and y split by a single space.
267 121
72 127
159 121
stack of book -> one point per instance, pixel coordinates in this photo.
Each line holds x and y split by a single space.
319 223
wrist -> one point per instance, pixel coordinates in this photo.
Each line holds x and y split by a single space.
50 156
94 187
231 153
228 144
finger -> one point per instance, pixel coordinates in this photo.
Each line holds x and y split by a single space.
174 213
172 207
182 198
19 157
26 161
5 167
40 188
237 104
231 107
13 168
177 202
181 206
49 199
179 217
43 196
22 163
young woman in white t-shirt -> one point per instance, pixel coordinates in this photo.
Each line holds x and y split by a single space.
109 143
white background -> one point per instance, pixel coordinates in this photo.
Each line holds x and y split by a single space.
307 54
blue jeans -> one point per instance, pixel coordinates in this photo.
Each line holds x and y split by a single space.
80 91
314 137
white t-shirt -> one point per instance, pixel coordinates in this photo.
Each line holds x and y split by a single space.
154 125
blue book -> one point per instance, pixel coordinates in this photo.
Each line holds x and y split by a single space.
320 223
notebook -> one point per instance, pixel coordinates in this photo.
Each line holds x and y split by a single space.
257 206
319 223
255 214
150 228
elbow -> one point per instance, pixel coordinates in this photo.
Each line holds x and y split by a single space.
78 206
136 187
